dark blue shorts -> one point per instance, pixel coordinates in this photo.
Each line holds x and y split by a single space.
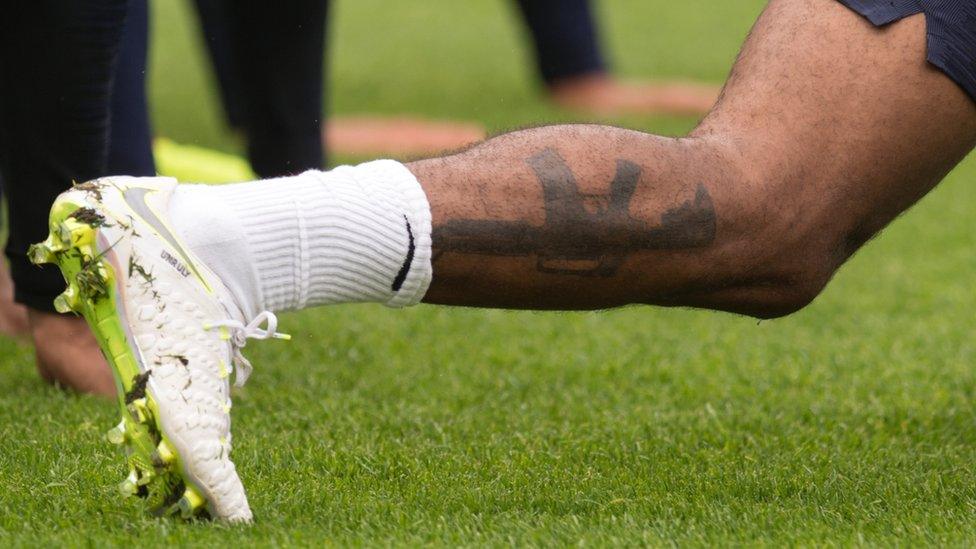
951 32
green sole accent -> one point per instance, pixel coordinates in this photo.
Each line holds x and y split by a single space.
155 471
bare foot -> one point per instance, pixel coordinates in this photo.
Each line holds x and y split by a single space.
402 136
604 95
67 353
13 316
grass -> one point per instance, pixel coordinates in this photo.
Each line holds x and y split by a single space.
850 423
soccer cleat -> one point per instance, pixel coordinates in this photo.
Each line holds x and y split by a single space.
171 332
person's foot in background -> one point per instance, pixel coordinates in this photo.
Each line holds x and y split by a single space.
401 135
13 316
68 355
573 66
602 94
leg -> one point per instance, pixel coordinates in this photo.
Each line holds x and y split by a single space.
56 64
215 18
278 57
350 135
574 70
269 59
827 130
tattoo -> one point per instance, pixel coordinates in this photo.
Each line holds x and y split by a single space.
575 241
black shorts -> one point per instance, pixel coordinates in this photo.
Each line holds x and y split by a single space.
951 29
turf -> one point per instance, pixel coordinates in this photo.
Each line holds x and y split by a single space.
850 423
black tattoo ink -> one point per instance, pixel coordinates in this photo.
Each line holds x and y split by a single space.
574 241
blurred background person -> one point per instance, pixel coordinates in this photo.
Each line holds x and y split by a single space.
109 117
58 64
272 88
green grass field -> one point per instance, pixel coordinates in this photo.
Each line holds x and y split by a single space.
850 423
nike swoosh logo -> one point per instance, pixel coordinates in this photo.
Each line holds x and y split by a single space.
401 276
135 197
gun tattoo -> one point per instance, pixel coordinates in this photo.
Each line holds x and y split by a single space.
575 241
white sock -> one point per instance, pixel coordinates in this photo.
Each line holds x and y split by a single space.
353 234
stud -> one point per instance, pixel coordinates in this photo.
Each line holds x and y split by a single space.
116 435
190 503
68 301
129 486
164 455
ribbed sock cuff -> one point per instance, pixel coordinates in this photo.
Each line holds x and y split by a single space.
354 234
413 277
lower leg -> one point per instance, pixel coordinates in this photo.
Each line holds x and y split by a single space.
67 353
215 17
801 164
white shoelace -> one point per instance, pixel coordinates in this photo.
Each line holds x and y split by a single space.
240 333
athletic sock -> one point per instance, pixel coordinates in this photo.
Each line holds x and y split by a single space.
353 234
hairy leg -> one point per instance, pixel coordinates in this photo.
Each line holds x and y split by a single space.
827 129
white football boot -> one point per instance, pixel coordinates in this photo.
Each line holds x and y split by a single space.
170 330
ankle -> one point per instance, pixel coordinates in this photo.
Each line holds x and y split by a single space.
355 234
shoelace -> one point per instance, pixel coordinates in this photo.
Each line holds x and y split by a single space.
240 333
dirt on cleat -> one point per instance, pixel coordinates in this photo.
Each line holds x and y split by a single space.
90 217
92 281
135 397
